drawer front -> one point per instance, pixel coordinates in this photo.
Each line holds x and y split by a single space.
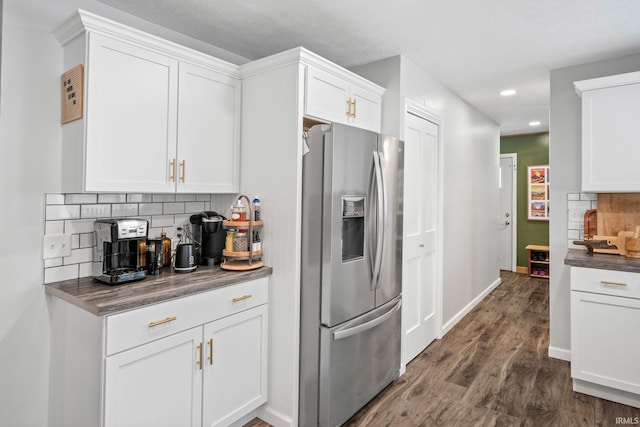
606 282
139 326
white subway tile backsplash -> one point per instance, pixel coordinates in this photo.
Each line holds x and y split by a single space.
52 262
75 214
54 227
588 196
57 274
173 208
54 212
78 226
79 255
139 198
75 241
164 197
184 197
112 198
124 210
80 199
54 199
162 221
573 196
194 207
87 240
150 209
96 211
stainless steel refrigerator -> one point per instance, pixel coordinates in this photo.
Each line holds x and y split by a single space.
351 279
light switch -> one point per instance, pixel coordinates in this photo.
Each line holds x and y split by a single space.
56 246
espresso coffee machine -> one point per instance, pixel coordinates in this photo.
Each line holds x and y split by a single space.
117 255
209 236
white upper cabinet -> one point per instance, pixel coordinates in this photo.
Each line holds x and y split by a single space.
157 117
610 111
336 95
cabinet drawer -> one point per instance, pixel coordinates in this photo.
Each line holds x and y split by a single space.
607 282
146 324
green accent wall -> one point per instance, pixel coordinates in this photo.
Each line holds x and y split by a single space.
532 150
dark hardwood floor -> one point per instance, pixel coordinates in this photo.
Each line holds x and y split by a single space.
492 369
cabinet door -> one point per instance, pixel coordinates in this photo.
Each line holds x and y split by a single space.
604 347
131 117
157 384
367 109
609 127
235 372
208 131
327 96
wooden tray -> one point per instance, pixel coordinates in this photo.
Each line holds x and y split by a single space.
241 265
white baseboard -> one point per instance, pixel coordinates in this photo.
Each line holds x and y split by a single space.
275 417
559 353
446 327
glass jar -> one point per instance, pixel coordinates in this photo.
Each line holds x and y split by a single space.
166 250
240 242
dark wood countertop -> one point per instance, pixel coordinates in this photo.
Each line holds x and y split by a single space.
100 299
580 258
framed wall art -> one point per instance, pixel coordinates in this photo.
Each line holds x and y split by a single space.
538 197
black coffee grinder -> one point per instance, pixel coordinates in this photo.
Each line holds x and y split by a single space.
209 236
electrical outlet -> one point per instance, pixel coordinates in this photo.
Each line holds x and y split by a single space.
56 246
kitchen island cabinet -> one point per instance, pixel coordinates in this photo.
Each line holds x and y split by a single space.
195 360
610 108
157 117
605 316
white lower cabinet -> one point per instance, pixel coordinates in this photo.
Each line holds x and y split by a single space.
605 320
199 360
156 384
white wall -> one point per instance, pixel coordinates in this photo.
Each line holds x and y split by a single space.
30 143
564 162
471 144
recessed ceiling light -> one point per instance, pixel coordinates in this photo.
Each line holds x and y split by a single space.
535 123
508 92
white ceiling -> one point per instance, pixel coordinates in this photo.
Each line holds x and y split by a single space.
475 47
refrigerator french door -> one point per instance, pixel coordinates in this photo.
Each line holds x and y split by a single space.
351 271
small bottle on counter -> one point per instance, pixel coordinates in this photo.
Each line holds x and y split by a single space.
166 249
256 209
228 244
256 245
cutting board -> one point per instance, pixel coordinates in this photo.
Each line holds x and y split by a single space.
619 241
617 212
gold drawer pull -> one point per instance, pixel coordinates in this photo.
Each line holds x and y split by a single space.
199 360
608 282
160 322
243 297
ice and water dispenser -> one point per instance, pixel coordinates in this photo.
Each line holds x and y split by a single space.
352 228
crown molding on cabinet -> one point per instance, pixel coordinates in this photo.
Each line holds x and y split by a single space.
606 82
83 21
300 55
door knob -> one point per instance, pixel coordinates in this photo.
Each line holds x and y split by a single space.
421 245
507 223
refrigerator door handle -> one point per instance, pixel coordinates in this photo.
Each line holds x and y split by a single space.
381 221
346 333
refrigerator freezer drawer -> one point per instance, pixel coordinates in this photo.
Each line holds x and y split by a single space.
358 359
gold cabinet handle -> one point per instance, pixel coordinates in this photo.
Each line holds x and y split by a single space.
199 360
172 177
160 322
608 282
210 357
183 168
243 297
349 107
354 108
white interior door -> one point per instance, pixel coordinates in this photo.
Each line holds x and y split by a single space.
420 269
508 167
